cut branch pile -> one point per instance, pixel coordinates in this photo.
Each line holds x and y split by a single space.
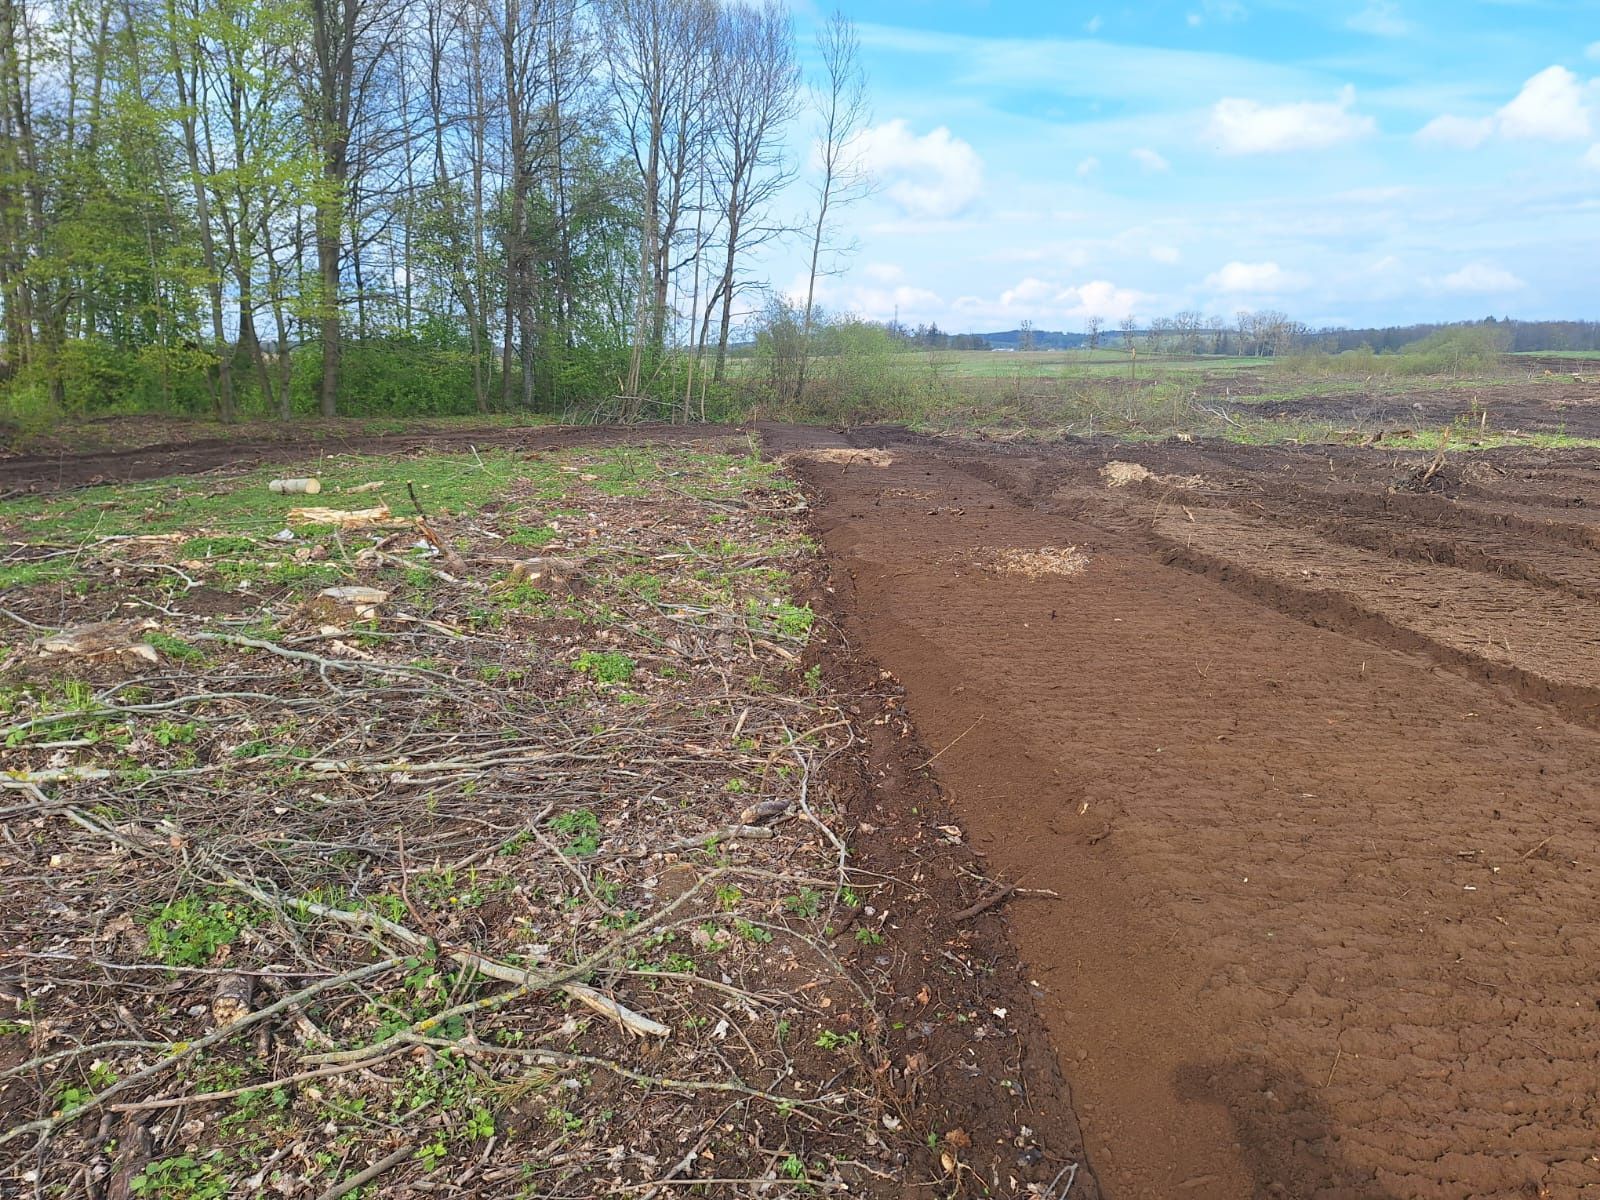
386 870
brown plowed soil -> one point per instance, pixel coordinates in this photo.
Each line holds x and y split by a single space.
1309 750
1545 402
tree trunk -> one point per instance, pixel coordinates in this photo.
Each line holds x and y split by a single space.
328 325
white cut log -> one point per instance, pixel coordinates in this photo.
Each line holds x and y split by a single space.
295 487
364 600
347 518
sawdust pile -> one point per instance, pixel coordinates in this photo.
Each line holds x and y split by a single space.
847 457
1043 563
1121 474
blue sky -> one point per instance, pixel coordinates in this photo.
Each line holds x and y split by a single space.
1351 162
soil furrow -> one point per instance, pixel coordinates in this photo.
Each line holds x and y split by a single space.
1329 910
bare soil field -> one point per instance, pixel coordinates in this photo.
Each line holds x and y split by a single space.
1307 741
1564 404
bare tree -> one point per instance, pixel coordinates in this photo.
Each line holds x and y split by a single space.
518 27
183 60
840 98
1093 326
756 99
1249 338
654 50
349 39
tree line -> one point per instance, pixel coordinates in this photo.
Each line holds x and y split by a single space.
324 205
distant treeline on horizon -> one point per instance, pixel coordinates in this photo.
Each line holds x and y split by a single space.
1215 338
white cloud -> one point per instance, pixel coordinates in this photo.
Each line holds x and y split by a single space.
1149 159
1093 25
1029 291
1551 107
1050 304
1481 279
1088 167
1381 18
1226 11
1592 158
873 303
935 175
1248 127
1465 133
881 272
1166 254
1100 298
1264 278
1592 50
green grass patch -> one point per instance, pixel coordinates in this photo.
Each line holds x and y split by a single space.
234 514
188 931
31 574
605 666
533 537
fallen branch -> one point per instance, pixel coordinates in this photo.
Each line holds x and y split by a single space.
727 833
453 562
45 1126
246 1089
322 664
1000 896
387 1163
1438 460
929 762
505 973
564 1057
984 905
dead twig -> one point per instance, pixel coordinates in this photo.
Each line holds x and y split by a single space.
387 1163
985 904
929 762
246 1089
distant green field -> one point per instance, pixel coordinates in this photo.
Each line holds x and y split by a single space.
1586 355
991 364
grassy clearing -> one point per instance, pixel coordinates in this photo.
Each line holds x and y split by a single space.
442 849
1466 436
1248 401
129 432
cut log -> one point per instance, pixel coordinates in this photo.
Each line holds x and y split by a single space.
351 518
364 601
102 639
295 487
232 999
557 576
